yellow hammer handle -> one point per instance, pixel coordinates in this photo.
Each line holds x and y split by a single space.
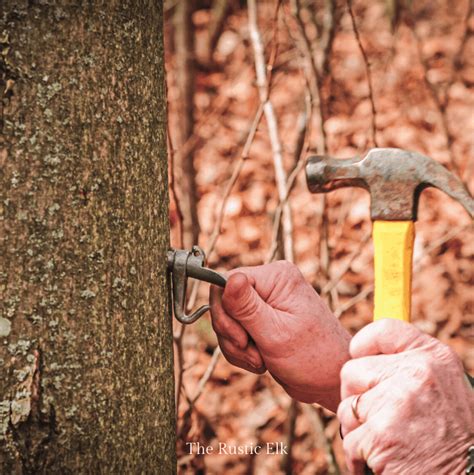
393 255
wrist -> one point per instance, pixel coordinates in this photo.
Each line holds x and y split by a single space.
329 399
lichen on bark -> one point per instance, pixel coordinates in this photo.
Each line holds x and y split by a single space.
85 337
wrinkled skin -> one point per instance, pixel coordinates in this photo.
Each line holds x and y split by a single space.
269 317
416 407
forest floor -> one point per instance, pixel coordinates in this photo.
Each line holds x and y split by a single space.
422 74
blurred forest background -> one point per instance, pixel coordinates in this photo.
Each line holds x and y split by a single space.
253 88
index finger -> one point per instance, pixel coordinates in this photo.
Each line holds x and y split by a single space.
362 374
223 323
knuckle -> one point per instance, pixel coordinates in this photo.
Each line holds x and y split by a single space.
423 372
248 306
428 366
349 445
405 331
379 425
420 370
342 410
347 370
393 326
229 350
215 325
446 353
224 325
383 432
290 269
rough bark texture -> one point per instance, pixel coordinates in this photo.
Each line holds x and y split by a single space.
85 332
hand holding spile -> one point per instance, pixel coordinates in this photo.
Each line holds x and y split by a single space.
293 333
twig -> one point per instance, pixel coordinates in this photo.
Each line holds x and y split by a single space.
233 179
220 10
172 186
468 33
416 266
443 239
302 125
356 299
314 78
280 175
274 43
212 115
336 279
184 43
287 461
330 33
317 425
229 186
205 377
442 104
213 239
179 339
368 73
300 162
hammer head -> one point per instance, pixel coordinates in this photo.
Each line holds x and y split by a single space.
394 178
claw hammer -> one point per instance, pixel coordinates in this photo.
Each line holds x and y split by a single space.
395 179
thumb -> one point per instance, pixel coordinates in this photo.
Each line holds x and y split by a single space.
242 302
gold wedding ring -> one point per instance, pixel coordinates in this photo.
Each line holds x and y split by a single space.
354 404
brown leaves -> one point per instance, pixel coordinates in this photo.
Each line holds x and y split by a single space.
240 408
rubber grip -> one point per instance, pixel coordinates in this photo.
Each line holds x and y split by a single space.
393 256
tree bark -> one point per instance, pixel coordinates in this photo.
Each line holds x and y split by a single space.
85 328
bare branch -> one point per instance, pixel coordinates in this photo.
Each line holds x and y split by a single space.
229 186
416 265
435 92
287 460
233 179
356 299
178 340
184 43
314 77
331 22
172 186
280 175
220 9
206 376
336 279
291 180
317 426
315 81
368 73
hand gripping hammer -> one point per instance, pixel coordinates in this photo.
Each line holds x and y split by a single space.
395 179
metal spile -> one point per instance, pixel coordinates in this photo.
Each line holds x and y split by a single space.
183 264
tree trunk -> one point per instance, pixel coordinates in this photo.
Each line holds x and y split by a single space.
85 328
